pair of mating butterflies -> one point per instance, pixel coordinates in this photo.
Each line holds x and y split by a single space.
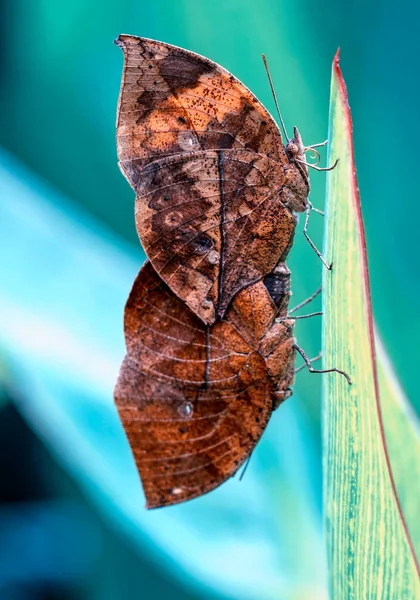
210 353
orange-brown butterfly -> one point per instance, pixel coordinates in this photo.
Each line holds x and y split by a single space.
194 399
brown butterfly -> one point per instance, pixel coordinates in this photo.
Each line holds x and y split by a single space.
195 399
216 190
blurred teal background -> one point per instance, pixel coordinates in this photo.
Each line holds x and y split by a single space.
72 522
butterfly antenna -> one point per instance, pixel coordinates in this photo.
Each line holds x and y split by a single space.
275 97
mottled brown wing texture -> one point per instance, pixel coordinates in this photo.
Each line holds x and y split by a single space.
211 223
195 399
174 101
211 176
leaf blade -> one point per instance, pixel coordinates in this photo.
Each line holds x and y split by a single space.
368 548
402 433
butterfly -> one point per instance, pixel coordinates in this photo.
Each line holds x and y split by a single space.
194 399
216 189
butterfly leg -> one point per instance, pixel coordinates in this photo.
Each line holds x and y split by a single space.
307 301
312 370
316 145
316 155
314 165
291 318
311 360
320 212
305 233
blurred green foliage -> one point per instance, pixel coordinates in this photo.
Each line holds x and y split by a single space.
60 77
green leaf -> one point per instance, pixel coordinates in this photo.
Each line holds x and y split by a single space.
402 434
369 551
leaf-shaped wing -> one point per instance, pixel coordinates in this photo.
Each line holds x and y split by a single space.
194 399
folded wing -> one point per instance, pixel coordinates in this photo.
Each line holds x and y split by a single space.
193 399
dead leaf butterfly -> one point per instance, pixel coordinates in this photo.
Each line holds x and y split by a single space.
194 399
216 190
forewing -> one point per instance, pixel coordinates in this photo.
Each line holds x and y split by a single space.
173 101
193 399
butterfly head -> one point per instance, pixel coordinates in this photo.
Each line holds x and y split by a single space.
294 148
299 176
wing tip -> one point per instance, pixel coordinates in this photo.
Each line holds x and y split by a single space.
118 41
124 37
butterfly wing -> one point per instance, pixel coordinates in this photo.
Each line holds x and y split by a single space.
211 223
210 173
193 399
174 101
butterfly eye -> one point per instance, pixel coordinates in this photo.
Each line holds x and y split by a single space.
292 149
